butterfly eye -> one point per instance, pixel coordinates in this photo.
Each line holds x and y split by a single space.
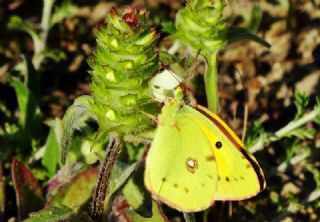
218 145
156 87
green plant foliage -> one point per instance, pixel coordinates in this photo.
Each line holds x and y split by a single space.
157 214
66 10
39 35
75 192
51 157
59 213
121 210
136 195
301 101
122 106
17 22
71 121
120 174
201 25
29 110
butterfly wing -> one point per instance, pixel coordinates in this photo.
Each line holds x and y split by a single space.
239 174
180 167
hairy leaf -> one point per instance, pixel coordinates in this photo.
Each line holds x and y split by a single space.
71 122
76 191
59 213
120 174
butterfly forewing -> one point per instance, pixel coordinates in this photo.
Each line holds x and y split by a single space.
239 174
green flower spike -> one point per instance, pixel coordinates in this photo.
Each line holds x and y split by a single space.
123 63
201 26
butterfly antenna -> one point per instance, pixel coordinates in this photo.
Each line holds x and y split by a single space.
174 76
152 117
192 68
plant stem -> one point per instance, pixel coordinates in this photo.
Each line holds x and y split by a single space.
189 217
113 150
45 27
174 48
263 141
211 81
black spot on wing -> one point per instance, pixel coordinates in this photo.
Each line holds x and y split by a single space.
218 145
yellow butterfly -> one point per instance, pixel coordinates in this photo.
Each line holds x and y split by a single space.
196 158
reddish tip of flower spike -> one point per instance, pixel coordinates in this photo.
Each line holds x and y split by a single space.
100 25
113 11
131 18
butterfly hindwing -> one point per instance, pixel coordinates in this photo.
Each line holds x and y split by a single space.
180 166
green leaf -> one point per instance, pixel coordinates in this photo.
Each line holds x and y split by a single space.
66 10
59 214
316 174
29 110
236 34
32 77
157 215
255 20
136 194
255 131
75 114
126 212
16 22
55 54
51 157
302 133
120 174
301 101
168 27
28 191
76 191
